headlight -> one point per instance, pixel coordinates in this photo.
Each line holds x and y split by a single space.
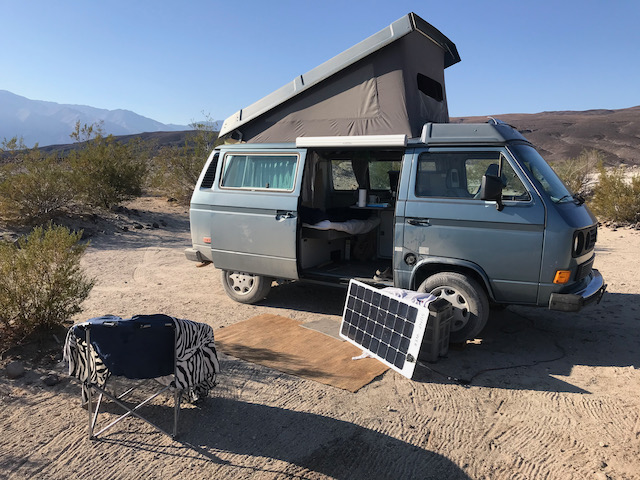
578 243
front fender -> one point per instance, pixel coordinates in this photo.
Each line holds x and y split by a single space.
431 265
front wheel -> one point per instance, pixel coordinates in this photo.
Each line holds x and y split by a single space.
245 287
468 299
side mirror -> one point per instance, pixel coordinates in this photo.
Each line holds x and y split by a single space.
491 189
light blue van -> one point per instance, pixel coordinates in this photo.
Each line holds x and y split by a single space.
468 212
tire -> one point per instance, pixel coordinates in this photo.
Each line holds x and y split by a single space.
469 301
245 287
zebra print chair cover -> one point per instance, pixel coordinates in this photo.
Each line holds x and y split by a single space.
196 359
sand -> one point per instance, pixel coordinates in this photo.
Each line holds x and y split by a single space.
549 395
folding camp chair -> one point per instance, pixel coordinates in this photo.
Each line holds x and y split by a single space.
140 348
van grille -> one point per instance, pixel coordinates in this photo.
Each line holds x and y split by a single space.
584 241
584 269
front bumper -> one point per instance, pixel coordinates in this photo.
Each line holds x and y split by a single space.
573 302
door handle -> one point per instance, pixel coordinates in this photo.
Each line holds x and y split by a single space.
284 215
418 222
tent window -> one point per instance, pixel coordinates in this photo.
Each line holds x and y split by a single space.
430 87
274 172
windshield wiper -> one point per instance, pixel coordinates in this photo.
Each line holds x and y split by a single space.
576 197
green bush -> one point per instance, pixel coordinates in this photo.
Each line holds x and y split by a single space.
578 173
616 199
41 282
176 170
107 172
35 190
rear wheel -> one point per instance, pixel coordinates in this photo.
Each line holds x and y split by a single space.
246 287
469 301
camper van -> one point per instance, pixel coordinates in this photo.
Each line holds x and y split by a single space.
468 212
471 213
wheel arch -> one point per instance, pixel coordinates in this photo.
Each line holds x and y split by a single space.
431 266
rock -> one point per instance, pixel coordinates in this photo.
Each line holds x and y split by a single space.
51 380
155 225
15 369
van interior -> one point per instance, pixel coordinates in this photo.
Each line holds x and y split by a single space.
341 237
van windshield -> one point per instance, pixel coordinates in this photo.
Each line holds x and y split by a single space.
550 182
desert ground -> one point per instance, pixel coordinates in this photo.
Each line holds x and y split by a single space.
544 395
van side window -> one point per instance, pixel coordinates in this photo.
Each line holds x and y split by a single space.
443 174
273 172
512 187
343 176
459 175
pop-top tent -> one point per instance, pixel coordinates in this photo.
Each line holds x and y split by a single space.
390 83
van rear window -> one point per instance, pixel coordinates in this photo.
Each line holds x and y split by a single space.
273 172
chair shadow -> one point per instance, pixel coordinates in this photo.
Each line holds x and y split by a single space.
307 442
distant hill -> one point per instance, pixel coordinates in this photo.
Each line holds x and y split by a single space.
155 140
557 135
49 123
562 135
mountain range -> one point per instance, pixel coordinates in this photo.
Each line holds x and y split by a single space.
50 123
557 135
565 134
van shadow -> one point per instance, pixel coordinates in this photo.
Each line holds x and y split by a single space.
521 348
307 442
307 297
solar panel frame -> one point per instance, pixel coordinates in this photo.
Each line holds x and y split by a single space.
389 328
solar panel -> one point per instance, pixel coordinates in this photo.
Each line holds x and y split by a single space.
388 327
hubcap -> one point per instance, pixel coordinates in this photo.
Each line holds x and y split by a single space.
241 283
460 306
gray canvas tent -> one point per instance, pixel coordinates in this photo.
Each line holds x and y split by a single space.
390 83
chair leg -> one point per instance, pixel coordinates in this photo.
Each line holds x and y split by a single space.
87 393
130 411
177 400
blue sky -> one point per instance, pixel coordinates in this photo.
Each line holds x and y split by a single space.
175 61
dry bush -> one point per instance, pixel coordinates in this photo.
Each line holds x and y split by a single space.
106 172
176 169
578 173
41 282
615 198
35 190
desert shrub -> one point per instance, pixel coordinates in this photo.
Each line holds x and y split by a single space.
14 146
34 190
615 198
578 173
41 282
176 169
107 172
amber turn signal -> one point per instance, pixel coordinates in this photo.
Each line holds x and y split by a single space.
206 239
562 276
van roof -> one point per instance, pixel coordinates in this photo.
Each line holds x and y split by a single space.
494 132
303 106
